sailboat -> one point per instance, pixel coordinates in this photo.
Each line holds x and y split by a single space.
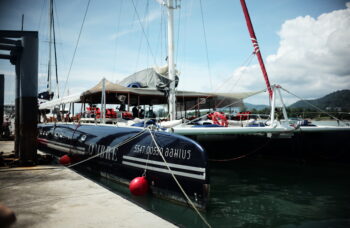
121 152
277 136
173 165
49 93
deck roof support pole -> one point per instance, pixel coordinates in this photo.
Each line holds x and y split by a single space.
285 116
103 101
138 105
273 101
2 93
198 103
128 102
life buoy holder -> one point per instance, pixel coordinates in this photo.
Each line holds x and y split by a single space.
219 119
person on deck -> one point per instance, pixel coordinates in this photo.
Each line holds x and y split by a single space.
122 108
142 114
135 112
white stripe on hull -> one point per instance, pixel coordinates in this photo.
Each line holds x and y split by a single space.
178 173
186 167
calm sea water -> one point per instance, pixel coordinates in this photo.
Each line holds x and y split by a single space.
262 193
251 193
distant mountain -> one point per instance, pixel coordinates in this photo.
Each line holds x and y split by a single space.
338 101
249 106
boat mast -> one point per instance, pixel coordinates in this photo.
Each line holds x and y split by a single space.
256 46
171 65
49 86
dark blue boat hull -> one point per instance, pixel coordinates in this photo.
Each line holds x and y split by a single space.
301 146
125 153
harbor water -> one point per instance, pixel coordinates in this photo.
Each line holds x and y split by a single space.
254 192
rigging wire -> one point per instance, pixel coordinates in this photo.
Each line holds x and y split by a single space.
160 36
178 35
147 30
224 83
140 46
249 60
309 103
161 31
144 32
246 63
41 14
44 37
236 102
206 46
55 51
185 45
116 40
76 46
48 80
59 32
133 22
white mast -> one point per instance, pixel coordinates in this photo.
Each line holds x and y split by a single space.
171 65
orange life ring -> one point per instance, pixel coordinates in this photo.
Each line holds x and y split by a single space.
220 119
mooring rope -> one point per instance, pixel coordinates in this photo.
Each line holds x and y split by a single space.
177 182
80 162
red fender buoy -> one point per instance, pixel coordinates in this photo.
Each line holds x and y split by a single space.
138 186
65 160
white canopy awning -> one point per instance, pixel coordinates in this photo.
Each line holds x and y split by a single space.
64 100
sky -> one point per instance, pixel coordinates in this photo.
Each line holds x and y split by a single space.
305 43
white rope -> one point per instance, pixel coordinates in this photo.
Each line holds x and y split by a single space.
92 157
177 182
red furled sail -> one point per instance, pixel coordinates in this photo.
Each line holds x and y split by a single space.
256 46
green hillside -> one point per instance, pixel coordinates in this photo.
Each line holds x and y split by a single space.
336 101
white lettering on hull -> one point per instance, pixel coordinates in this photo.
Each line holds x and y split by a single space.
105 152
166 151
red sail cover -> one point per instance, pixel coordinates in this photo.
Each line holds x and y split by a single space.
256 46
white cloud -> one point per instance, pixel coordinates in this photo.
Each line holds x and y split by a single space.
150 17
122 33
312 59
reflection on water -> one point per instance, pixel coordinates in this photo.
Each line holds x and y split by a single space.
279 195
263 194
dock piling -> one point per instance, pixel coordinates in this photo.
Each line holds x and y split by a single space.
2 92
